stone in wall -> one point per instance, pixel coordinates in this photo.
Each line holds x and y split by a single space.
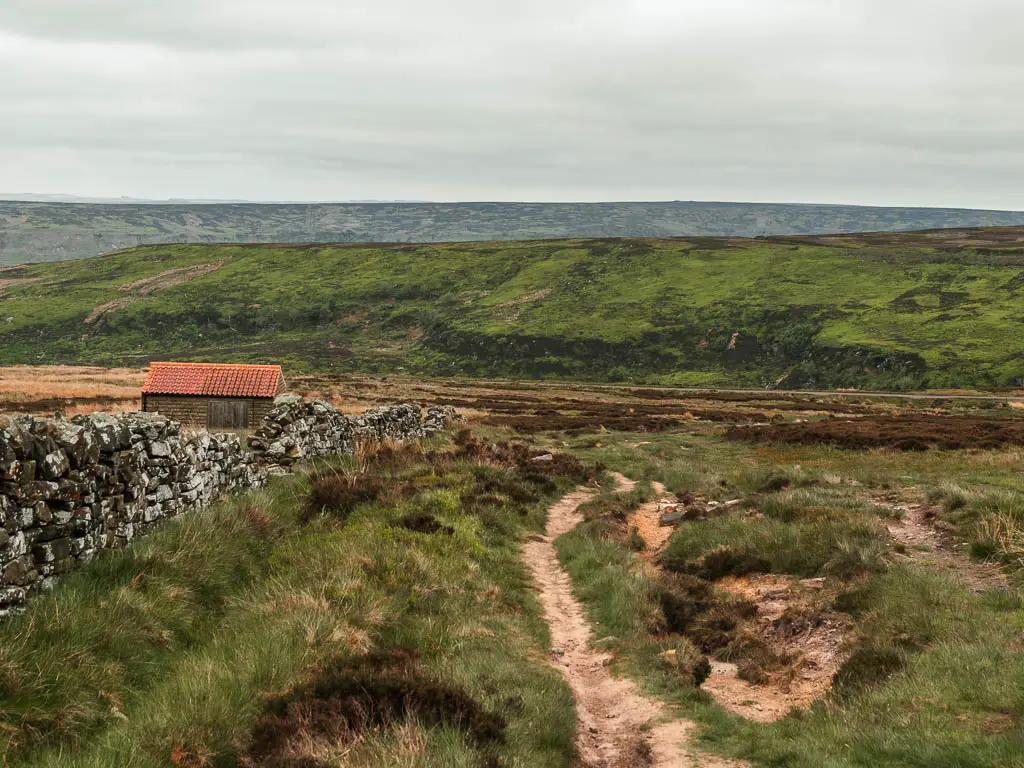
440 418
296 429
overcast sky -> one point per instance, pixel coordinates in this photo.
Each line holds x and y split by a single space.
890 102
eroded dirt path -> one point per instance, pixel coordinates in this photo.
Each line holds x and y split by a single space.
613 716
926 545
647 520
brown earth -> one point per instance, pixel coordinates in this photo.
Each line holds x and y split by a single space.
792 623
646 520
614 719
530 297
899 432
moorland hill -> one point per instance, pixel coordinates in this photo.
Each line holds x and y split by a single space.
888 311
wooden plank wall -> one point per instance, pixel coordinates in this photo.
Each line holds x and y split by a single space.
192 411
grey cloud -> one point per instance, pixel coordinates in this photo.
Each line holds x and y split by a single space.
897 102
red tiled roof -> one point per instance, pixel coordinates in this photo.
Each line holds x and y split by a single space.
212 379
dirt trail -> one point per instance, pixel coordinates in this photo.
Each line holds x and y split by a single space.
612 713
647 520
927 545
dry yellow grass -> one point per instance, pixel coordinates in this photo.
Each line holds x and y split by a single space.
42 389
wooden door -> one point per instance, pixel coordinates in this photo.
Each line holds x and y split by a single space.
227 414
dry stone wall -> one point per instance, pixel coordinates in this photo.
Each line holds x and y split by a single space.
69 489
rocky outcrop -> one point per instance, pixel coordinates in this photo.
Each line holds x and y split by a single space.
69 489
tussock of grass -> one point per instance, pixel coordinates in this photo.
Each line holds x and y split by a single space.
615 506
810 504
991 520
762 478
736 544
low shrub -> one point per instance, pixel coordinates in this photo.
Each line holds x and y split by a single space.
421 522
339 494
868 665
352 696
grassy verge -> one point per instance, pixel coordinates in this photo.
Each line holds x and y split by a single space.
165 653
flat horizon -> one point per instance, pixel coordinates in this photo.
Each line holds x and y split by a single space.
72 199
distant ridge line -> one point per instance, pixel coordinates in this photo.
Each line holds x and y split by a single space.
33 231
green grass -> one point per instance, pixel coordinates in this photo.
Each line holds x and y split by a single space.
990 520
935 678
166 649
829 547
953 697
659 311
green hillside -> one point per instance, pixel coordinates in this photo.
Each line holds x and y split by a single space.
934 309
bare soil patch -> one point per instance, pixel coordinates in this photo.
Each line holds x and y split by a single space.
646 521
528 298
613 715
170 278
905 433
796 628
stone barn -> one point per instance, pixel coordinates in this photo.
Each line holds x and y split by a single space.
212 394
